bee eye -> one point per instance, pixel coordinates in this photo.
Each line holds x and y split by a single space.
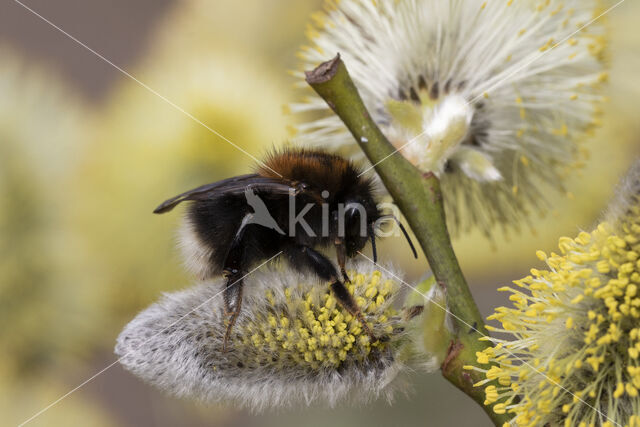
352 220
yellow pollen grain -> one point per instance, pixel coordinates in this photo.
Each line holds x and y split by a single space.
569 323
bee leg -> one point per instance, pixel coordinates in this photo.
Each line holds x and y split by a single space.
227 292
341 252
233 272
307 259
232 297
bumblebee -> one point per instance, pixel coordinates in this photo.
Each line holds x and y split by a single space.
298 202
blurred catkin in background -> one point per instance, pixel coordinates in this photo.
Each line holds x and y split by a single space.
80 175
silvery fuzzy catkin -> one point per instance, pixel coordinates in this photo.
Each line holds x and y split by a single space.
495 97
292 343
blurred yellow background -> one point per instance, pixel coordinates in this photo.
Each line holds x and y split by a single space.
87 152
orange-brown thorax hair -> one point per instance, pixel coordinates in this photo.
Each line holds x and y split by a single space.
320 169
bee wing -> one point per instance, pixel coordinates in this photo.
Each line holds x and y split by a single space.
235 185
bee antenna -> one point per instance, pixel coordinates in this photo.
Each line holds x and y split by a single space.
404 231
372 232
406 236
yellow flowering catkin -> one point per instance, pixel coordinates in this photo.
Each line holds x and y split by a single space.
573 354
292 342
307 327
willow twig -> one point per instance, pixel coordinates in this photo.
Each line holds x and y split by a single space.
419 198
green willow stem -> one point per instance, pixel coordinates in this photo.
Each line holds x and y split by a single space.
419 198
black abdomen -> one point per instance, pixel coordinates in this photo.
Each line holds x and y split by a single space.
209 231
